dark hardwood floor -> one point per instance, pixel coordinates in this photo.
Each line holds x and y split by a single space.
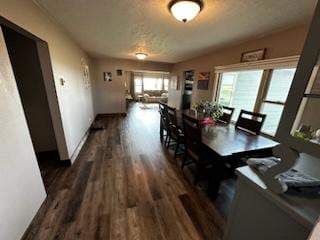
125 185
50 167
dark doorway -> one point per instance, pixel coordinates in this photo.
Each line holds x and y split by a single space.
26 66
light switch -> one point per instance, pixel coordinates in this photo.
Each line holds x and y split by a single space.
62 81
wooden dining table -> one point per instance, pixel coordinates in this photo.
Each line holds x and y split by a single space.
228 144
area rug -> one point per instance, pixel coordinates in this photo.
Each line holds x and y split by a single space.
148 105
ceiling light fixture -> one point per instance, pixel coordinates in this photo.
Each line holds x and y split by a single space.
185 10
141 56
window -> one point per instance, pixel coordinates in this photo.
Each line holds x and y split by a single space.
263 91
137 84
276 96
150 81
166 84
240 90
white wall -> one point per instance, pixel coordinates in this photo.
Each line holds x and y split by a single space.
21 187
75 100
109 97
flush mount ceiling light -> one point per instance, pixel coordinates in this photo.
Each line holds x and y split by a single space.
141 56
185 10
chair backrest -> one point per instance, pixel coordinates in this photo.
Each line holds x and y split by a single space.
192 120
163 110
172 115
192 133
250 121
173 123
227 115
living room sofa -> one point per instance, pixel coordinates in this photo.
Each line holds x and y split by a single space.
154 96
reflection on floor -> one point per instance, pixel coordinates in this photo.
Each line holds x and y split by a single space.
125 185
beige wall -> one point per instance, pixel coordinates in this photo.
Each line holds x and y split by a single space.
21 187
20 177
280 44
109 97
75 100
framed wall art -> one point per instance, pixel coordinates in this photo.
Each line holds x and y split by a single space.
203 80
254 55
107 76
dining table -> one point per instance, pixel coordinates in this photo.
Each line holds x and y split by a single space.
228 145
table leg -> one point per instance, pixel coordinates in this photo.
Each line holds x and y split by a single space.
214 181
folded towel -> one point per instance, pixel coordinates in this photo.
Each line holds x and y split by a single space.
293 178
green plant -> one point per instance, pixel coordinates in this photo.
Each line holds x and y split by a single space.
209 109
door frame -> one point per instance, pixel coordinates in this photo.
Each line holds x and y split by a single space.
50 88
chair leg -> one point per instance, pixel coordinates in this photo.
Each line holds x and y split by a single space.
176 150
161 132
184 160
168 143
166 140
196 176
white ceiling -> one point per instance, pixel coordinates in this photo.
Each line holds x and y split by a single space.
119 28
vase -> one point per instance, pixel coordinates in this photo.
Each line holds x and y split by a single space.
207 121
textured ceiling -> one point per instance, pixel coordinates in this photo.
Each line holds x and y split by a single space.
119 28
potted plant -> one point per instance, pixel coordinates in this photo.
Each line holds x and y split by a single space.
208 111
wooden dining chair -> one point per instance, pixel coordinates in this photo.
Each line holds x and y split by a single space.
164 124
175 133
250 121
227 115
194 149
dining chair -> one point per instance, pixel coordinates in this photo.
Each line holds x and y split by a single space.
194 148
250 121
175 133
164 124
227 115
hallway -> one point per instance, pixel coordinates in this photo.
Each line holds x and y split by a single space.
124 185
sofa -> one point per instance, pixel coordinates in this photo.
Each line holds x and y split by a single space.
154 96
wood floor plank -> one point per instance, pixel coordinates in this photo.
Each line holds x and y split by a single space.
125 185
198 217
151 178
167 220
149 222
134 230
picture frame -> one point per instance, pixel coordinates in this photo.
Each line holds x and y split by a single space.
107 76
203 80
188 80
86 76
255 55
188 75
